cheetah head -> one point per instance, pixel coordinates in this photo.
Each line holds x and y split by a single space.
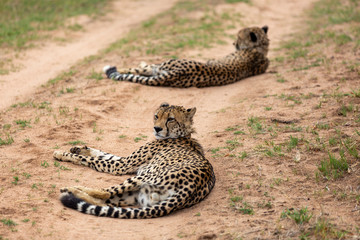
253 38
173 121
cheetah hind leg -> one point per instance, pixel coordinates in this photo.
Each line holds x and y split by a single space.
143 69
90 195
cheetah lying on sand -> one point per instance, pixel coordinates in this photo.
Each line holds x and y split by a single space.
171 172
249 59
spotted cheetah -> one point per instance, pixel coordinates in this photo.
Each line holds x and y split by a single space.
249 59
171 172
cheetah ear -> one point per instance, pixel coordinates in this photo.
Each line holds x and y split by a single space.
164 104
265 29
253 37
191 112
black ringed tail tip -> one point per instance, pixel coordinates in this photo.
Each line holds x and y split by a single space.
108 70
69 200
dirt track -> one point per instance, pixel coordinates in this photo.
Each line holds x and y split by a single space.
99 112
39 65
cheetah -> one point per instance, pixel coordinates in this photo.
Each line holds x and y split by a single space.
249 59
172 172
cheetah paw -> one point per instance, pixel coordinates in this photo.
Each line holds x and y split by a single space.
58 155
85 151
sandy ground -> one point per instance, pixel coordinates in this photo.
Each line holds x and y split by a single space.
109 115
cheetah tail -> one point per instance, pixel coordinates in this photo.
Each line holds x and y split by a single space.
162 209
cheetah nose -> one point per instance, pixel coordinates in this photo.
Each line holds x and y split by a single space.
157 129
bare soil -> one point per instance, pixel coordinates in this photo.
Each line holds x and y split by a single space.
109 115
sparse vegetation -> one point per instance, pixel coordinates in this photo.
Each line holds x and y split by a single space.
9 140
76 142
300 216
334 168
8 222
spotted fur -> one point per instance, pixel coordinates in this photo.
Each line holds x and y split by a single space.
249 59
171 172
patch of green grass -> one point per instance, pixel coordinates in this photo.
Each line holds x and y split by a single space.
70 90
239 132
76 142
355 93
315 63
8 222
61 167
292 98
137 139
255 124
293 142
214 150
246 209
7 141
6 126
243 155
232 144
21 21
75 27
342 39
300 216
272 151
26 175
323 126
323 229
344 110
236 1
45 164
236 199
60 77
24 104
334 168
351 147
95 75
331 12
230 129
16 180
280 59
293 128
23 123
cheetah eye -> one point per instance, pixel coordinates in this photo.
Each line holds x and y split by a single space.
170 119
156 117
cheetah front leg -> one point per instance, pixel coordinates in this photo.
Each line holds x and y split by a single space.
106 162
92 152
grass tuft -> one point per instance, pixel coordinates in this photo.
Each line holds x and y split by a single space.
300 216
334 168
